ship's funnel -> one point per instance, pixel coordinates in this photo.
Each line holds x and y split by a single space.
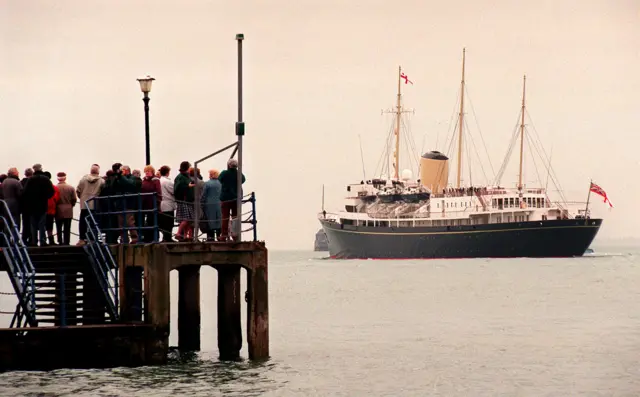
434 171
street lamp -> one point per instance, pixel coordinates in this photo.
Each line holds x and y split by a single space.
145 87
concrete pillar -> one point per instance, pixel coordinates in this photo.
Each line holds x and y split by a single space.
93 309
189 308
157 301
131 299
258 307
229 325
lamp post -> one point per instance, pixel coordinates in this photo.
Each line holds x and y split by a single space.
145 87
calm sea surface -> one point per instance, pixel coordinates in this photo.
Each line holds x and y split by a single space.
513 327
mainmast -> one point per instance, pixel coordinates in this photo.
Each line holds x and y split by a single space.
461 121
524 87
396 153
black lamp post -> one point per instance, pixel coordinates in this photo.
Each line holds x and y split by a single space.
145 87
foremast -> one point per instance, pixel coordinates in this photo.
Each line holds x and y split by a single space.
524 87
398 113
460 121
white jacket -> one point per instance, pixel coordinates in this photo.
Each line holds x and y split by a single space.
168 202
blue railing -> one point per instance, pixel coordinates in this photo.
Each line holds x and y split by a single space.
108 209
19 267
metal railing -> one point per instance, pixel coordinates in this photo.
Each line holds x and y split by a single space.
19 267
108 209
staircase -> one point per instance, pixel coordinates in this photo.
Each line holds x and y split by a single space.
67 291
482 200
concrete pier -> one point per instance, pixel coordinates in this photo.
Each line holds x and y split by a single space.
141 335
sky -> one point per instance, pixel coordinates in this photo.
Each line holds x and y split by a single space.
316 76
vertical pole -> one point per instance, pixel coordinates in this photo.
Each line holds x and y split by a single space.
196 204
461 121
398 113
255 220
239 133
524 87
146 128
586 209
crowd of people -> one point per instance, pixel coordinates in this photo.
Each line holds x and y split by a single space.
123 203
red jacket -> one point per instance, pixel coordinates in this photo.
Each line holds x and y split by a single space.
53 201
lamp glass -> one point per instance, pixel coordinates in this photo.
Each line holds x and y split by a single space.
145 84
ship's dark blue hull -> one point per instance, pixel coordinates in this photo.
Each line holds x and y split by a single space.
550 238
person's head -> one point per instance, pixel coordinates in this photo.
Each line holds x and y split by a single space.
47 174
3 177
110 173
213 174
116 168
28 173
37 168
62 177
95 169
165 170
232 163
184 166
13 171
149 171
136 173
126 170
192 171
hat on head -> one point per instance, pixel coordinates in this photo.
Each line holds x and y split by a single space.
61 175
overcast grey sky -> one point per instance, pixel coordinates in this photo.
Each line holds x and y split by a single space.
317 74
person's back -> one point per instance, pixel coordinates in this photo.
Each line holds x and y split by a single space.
229 180
37 192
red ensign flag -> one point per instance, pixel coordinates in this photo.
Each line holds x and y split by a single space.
600 192
406 79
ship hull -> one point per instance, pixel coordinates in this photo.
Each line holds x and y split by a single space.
550 238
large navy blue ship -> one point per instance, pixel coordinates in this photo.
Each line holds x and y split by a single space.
396 217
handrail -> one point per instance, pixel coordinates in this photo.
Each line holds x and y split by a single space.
105 267
23 279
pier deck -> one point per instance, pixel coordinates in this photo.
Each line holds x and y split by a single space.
81 333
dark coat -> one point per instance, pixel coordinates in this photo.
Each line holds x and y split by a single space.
151 185
229 180
37 192
181 189
12 193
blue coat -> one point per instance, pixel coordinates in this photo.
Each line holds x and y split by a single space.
211 203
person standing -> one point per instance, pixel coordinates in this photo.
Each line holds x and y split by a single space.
230 192
64 210
212 206
37 192
89 187
167 205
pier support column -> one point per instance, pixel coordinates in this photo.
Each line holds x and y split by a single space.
131 300
229 326
93 309
157 302
258 307
189 308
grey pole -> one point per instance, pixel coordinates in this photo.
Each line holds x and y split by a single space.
239 133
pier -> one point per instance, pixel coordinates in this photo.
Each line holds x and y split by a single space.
74 327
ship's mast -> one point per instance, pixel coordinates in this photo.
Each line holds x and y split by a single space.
461 121
396 165
524 87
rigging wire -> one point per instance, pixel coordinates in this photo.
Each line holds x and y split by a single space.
479 131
